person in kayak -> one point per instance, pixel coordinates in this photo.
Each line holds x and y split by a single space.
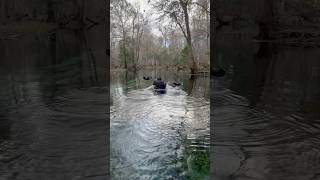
159 84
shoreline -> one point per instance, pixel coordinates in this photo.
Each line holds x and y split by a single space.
178 68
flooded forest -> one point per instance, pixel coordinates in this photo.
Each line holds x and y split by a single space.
179 42
77 99
160 135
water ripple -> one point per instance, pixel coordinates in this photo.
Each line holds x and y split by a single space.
150 133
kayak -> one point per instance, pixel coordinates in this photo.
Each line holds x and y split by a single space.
160 91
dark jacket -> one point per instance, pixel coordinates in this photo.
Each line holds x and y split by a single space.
158 84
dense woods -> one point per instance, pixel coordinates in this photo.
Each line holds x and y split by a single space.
184 25
69 13
183 41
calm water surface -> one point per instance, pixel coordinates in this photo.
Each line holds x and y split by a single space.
53 113
266 110
159 136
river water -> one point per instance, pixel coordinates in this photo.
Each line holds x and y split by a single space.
53 108
159 136
266 110
265 113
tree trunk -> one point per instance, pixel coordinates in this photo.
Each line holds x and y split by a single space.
193 65
133 40
81 11
4 10
124 47
264 18
208 30
138 46
51 17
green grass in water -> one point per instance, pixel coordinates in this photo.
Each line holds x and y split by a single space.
199 165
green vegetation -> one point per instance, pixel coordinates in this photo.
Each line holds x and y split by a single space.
196 162
184 55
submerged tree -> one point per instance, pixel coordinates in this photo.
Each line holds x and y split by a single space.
178 11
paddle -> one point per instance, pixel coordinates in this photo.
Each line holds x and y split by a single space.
174 84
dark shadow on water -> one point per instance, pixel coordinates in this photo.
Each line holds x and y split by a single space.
265 111
53 106
262 60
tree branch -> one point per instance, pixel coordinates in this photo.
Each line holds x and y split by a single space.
179 24
204 8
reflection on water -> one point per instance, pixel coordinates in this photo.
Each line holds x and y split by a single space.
53 114
162 136
266 110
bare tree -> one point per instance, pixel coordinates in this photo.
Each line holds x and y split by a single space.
120 9
138 23
139 32
201 32
178 11
164 33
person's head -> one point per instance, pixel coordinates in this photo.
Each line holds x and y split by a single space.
159 78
